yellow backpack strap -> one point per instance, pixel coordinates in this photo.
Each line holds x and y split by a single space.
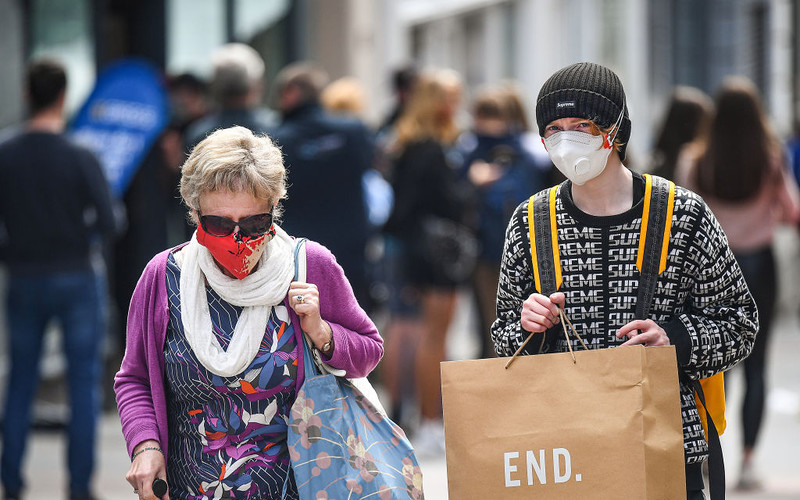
651 259
543 234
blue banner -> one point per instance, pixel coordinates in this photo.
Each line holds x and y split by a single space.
125 113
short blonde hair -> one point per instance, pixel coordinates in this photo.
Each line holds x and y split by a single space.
234 159
345 95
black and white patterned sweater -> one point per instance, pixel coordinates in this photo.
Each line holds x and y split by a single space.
701 299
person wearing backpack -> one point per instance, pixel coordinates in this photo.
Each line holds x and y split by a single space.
696 300
502 173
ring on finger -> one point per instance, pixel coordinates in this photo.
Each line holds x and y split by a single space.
300 299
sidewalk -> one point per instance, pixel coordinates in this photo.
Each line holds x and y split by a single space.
779 441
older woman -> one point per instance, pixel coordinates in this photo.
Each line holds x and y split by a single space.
214 333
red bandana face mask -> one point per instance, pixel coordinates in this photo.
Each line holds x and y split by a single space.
235 253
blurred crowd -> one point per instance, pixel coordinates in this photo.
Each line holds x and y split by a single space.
415 207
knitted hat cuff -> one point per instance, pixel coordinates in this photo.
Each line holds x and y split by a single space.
584 90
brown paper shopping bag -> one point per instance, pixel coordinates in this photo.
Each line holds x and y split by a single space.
606 426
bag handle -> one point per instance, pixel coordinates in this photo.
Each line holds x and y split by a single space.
300 264
309 366
313 362
300 273
564 322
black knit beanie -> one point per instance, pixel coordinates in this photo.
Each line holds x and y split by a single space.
584 90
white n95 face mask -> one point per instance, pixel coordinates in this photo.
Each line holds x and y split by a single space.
578 155
581 156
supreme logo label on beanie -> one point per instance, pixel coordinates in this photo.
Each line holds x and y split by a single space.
584 90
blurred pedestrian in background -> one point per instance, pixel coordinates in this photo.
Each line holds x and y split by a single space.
55 205
215 333
237 86
453 86
189 96
427 196
326 157
403 80
503 173
687 115
528 137
740 169
189 103
344 96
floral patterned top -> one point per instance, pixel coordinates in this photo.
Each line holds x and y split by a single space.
227 435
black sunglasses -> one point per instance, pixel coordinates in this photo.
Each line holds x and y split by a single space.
250 227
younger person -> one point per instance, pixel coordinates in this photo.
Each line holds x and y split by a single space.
701 305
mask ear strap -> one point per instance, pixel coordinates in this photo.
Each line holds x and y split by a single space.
617 124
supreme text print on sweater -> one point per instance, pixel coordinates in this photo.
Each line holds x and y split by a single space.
701 299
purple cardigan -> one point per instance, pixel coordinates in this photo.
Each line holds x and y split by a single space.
140 385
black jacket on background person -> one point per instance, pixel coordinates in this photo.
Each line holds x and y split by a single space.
54 199
425 187
260 121
326 157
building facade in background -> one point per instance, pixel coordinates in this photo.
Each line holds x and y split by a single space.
652 45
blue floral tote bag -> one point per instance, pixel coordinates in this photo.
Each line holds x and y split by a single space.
342 447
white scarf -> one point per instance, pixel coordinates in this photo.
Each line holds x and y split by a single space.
258 292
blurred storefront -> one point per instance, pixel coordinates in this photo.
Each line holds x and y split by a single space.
653 45
177 36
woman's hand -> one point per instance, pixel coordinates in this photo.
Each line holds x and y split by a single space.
540 312
147 465
482 173
304 300
645 332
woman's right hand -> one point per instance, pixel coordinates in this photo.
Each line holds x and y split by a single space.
145 468
540 312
